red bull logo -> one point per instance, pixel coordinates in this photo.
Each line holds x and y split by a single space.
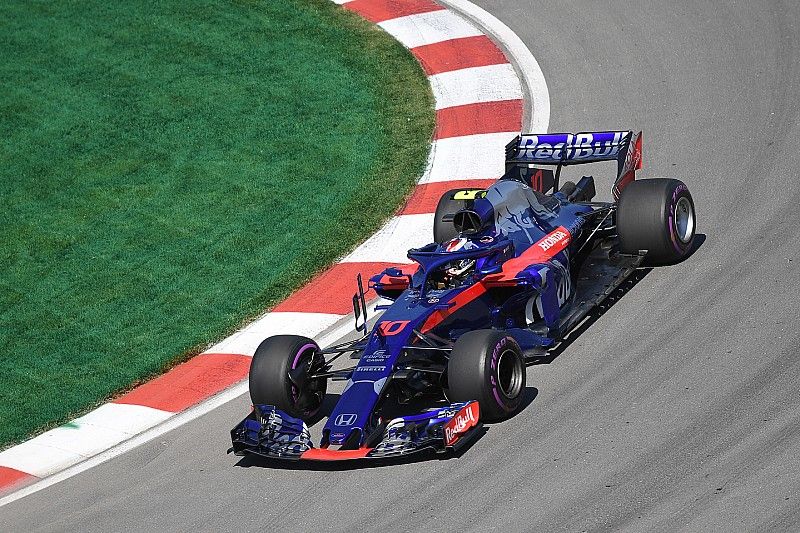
465 419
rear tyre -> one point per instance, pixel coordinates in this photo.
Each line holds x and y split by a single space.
656 215
279 375
487 366
444 231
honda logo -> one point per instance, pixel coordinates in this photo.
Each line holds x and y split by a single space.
345 420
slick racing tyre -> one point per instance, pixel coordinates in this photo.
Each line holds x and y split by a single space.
656 215
444 231
486 365
279 375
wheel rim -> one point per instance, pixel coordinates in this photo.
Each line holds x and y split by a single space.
307 398
684 219
509 374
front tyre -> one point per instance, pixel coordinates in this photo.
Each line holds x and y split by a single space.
487 365
279 375
656 215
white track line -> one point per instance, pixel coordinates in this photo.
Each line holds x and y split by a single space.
468 157
391 243
429 28
59 448
246 340
489 83
527 66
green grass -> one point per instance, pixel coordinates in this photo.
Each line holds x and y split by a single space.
169 169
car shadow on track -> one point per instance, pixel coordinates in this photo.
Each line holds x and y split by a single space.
699 240
530 395
553 353
600 310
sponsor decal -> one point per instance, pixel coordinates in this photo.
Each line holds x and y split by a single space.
377 356
370 368
347 419
555 147
679 189
388 328
575 226
464 419
542 179
487 239
447 412
564 283
433 300
557 237
633 159
537 180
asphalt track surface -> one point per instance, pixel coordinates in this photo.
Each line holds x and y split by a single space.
677 409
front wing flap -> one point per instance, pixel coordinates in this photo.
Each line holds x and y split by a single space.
270 432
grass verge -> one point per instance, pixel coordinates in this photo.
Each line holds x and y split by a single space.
169 169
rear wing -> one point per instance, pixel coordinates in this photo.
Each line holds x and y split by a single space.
563 149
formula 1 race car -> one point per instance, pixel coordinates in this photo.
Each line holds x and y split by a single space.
512 270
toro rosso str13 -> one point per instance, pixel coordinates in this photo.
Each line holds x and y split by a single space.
512 269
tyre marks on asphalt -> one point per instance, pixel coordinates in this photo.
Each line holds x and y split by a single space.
479 108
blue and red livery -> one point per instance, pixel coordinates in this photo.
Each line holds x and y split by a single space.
499 287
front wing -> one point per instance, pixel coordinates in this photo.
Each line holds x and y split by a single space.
270 432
